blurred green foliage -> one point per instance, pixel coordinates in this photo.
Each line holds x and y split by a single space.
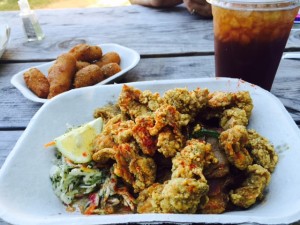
9 5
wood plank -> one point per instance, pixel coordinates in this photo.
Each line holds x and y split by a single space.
15 110
19 111
152 32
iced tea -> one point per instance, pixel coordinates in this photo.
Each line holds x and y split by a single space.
249 43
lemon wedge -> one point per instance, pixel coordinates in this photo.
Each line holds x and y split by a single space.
77 144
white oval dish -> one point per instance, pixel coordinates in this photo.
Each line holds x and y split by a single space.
26 195
129 59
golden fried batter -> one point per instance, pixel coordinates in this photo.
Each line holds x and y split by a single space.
88 76
243 100
119 132
61 74
107 112
262 151
227 100
37 82
152 100
252 188
169 143
187 102
81 64
142 136
104 155
110 69
138 171
233 142
86 53
124 155
181 195
184 192
115 131
219 99
134 102
233 116
146 203
167 115
122 131
191 160
109 57
116 142
144 171
149 139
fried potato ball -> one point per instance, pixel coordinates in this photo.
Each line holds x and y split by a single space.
61 74
109 57
37 82
81 64
88 76
110 69
86 53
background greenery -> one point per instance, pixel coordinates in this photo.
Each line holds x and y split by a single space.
13 4
6 5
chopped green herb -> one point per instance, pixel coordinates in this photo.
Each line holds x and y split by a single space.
205 132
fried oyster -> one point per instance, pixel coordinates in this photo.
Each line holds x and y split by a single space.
205 173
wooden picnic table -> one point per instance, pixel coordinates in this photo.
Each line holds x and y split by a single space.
172 44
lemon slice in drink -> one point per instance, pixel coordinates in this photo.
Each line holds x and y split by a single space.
77 144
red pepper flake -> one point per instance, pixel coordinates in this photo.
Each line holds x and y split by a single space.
191 189
84 154
192 166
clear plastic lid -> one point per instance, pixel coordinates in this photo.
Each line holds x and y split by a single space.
259 5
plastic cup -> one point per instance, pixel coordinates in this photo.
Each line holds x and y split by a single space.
250 37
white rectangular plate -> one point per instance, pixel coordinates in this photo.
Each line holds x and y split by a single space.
26 195
129 59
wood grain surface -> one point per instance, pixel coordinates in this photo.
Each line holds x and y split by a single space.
151 32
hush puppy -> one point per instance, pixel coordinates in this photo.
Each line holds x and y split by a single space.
61 74
81 64
88 76
109 57
86 53
110 69
37 82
